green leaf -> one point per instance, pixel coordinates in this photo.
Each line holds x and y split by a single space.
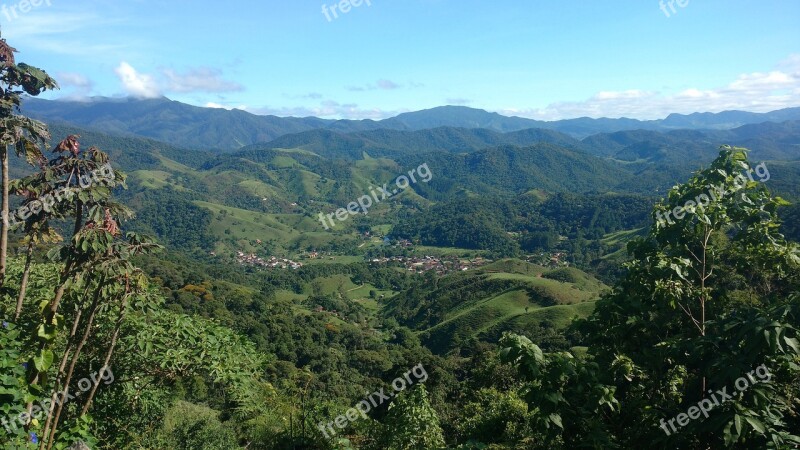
43 360
47 332
794 343
756 424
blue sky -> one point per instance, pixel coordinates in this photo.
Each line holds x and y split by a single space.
539 59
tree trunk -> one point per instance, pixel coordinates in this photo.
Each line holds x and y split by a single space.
109 354
60 375
23 285
66 274
6 223
86 334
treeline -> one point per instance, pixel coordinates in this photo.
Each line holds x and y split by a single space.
525 224
171 215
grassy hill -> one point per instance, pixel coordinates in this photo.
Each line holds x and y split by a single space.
506 295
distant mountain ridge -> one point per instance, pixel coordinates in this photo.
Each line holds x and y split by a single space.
170 121
196 127
766 140
390 143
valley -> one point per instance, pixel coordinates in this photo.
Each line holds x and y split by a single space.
341 257
532 195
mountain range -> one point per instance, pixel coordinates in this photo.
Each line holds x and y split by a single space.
293 157
226 130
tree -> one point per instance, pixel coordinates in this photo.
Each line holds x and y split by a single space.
24 134
96 282
567 398
412 423
709 296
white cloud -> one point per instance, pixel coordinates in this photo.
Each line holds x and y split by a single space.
137 84
39 23
312 96
74 80
757 92
221 106
63 33
387 85
200 79
629 94
80 85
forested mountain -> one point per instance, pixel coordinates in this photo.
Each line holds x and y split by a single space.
170 121
389 143
461 117
727 119
768 141
299 183
129 152
526 223
218 129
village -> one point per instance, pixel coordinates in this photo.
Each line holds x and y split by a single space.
270 263
415 264
442 266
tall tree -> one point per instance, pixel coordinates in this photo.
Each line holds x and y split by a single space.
709 296
97 280
24 134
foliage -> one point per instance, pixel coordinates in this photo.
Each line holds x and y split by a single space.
174 218
193 427
706 299
14 391
412 423
495 417
567 397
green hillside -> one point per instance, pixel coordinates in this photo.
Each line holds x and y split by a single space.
506 295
